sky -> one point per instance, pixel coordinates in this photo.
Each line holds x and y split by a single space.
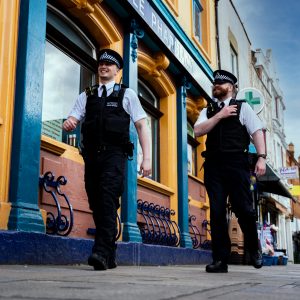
275 24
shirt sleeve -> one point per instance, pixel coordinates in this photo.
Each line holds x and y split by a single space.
250 119
78 110
202 117
133 106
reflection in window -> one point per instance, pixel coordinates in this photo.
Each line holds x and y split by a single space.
61 87
62 78
197 20
69 65
192 150
150 103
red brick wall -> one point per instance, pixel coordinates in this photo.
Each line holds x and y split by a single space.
74 189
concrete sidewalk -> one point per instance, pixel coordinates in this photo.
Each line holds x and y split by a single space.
143 282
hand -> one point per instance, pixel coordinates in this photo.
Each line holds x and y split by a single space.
70 124
228 111
145 168
260 167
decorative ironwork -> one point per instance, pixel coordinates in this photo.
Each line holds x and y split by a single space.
194 232
137 33
157 226
207 243
196 236
59 224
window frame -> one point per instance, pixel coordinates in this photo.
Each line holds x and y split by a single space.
62 43
205 44
201 9
153 111
60 40
194 144
234 60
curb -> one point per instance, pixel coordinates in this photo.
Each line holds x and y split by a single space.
20 247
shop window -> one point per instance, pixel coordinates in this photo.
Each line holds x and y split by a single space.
70 64
150 103
192 150
197 20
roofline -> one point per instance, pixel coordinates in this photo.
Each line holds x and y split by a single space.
240 21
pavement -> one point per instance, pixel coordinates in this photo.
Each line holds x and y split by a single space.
189 282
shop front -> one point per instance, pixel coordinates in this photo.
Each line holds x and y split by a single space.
56 61
275 215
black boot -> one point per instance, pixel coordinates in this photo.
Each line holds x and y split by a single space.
217 267
98 262
256 259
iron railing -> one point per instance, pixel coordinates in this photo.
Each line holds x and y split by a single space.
58 224
156 226
196 235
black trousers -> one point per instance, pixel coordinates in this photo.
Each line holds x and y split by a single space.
229 176
104 180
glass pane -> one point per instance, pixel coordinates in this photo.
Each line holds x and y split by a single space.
63 80
149 122
190 130
146 94
191 160
197 21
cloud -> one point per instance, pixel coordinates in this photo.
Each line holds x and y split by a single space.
272 24
61 84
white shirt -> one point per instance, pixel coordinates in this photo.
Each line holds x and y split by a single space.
131 103
247 116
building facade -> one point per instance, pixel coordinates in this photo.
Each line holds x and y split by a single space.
255 72
169 55
275 199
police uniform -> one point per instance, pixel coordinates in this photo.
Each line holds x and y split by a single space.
227 174
105 113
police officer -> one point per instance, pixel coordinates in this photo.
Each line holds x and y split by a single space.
229 123
105 112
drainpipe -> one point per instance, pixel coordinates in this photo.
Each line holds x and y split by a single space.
217 34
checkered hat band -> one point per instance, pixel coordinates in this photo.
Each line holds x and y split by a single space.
223 78
108 57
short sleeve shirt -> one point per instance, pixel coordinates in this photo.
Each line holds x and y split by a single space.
131 104
247 117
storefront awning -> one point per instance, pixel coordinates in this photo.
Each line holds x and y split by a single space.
271 183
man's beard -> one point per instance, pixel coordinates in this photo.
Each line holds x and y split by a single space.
219 92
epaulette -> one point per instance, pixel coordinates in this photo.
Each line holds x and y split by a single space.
117 88
91 90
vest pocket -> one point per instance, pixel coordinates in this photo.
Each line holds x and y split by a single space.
115 125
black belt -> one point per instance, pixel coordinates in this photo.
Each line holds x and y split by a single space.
206 154
109 148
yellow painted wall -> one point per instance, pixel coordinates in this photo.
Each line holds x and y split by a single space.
152 70
9 14
182 10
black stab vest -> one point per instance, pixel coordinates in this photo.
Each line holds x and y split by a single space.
229 135
106 122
